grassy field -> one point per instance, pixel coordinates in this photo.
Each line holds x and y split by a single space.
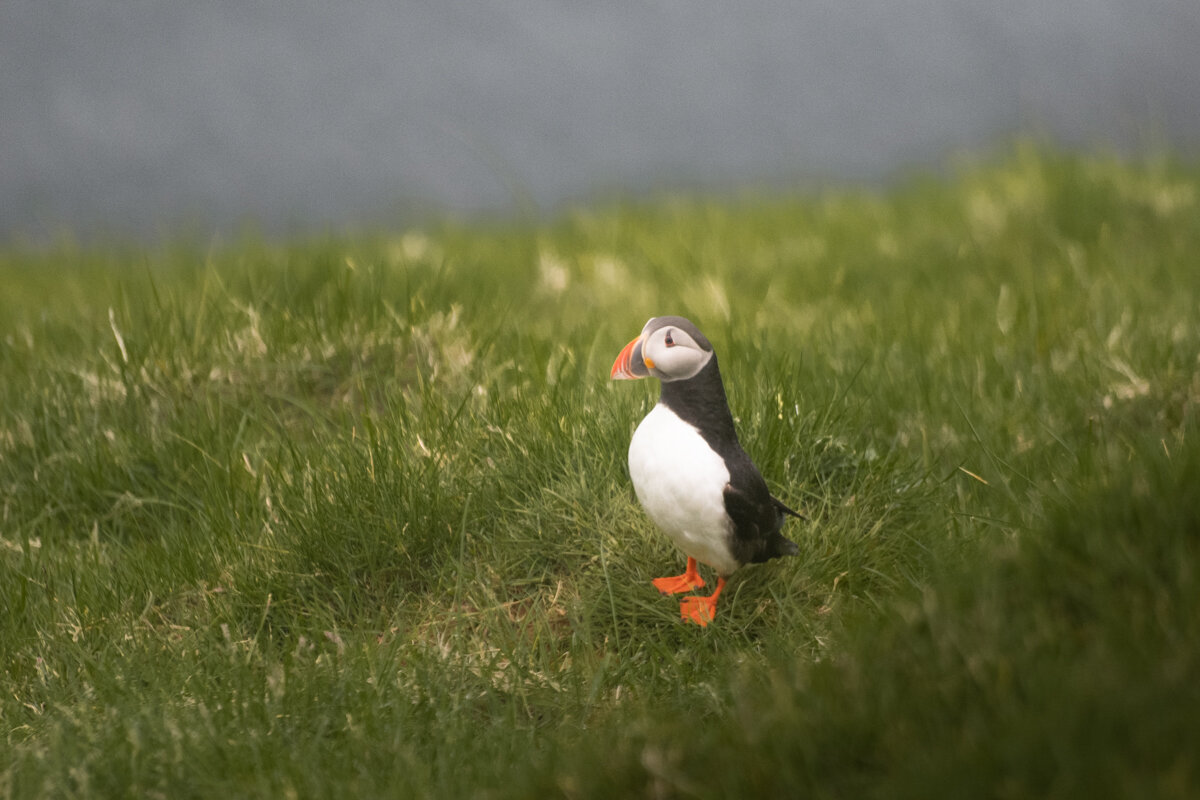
350 517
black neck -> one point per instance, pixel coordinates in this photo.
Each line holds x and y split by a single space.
700 400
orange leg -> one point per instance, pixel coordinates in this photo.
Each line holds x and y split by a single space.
689 580
701 610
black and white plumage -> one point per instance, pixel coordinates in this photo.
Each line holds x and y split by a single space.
688 468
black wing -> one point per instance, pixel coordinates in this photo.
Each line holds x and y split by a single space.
757 516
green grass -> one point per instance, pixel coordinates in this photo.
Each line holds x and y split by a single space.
350 517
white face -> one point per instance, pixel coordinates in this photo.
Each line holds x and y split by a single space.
671 354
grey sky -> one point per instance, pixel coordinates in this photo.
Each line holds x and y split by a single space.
137 117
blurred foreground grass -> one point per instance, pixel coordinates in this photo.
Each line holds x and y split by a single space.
351 516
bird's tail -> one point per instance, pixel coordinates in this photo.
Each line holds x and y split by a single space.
776 546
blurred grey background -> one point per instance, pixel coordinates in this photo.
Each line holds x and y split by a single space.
145 118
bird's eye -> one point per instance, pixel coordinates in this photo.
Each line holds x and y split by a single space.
669 342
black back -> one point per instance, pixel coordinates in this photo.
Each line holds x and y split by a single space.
757 516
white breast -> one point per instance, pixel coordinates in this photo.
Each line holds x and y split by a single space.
680 482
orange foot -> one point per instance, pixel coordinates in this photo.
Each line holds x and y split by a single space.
689 580
701 610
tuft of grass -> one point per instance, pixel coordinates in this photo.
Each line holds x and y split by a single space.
352 515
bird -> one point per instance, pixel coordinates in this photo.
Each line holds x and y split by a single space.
689 471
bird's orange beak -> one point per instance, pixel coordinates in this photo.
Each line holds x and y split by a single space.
629 364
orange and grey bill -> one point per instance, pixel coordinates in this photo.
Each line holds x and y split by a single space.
629 365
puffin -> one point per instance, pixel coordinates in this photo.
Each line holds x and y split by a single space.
689 471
